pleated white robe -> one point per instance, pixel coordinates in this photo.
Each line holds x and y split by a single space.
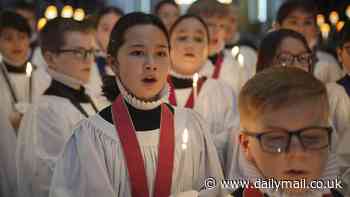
45 129
217 104
93 162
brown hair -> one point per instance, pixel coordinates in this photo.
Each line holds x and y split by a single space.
208 8
279 87
52 36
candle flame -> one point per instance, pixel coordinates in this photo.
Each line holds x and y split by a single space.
235 51
334 17
240 59
195 79
340 25
320 19
325 29
29 69
184 139
347 12
79 14
41 23
67 11
51 12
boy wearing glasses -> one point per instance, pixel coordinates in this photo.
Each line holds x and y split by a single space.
68 48
285 133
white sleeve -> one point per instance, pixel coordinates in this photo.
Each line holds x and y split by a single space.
79 170
341 122
7 159
42 134
209 164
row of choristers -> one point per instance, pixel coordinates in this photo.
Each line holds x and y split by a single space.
140 105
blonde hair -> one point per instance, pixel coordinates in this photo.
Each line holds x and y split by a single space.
280 87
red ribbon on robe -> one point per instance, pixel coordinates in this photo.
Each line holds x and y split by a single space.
190 100
132 152
218 66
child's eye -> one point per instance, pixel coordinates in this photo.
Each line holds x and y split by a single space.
162 54
198 39
292 22
181 38
137 53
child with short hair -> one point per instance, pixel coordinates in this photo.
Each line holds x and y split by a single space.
69 49
222 64
285 132
300 16
19 86
168 11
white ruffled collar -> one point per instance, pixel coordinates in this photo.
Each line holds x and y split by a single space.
140 104
180 76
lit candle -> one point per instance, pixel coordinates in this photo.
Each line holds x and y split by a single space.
334 17
184 139
79 14
41 23
194 84
29 69
67 11
325 29
320 19
240 59
340 25
235 51
347 12
51 12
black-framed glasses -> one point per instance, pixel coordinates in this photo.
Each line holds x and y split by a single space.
80 53
287 59
310 138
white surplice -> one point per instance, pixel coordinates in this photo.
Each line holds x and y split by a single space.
8 184
327 68
44 130
217 104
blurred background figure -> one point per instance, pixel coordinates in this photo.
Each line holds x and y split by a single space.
168 11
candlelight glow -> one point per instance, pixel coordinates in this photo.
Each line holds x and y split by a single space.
51 12
184 139
184 2
325 29
334 17
67 11
195 79
41 23
235 50
340 25
320 19
225 1
29 69
347 12
240 59
79 14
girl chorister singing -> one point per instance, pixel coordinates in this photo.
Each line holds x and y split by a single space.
213 99
139 146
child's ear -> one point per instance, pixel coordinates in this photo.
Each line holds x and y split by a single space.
244 142
339 52
113 63
49 57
